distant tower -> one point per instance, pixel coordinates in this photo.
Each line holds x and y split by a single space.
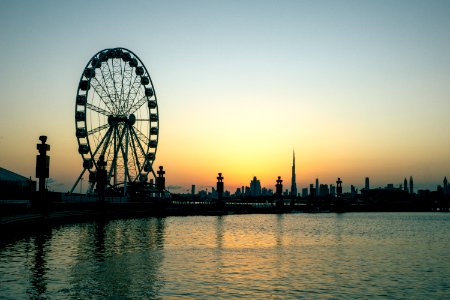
339 187
332 190
293 180
312 190
367 185
219 187
411 185
405 185
446 191
317 187
255 187
279 187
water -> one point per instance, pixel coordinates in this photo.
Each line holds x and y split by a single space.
326 256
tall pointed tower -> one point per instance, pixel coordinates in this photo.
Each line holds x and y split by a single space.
293 180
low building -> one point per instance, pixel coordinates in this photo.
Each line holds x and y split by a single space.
14 186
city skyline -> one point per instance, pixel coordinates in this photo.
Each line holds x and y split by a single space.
408 186
358 89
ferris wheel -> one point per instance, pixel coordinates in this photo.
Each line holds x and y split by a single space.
116 118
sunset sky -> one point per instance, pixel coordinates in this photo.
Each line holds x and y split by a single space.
357 88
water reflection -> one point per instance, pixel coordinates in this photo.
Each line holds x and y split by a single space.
279 230
99 240
125 259
38 268
219 232
254 256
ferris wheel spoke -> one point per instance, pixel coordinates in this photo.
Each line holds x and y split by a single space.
106 88
97 129
112 75
136 138
128 73
108 133
103 96
137 105
122 73
98 109
134 152
114 160
108 150
120 145
133 89
133 163
142 136
106 144
103 92
133 130
125 163
117 141
136 94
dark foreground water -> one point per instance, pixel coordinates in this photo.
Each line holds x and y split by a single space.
342 256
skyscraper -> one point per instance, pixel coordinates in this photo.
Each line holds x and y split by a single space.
446 188
367 184
405 185
411 185
317 188
293 180
255 187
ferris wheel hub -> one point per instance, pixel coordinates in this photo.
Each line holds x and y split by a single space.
121 119
131 119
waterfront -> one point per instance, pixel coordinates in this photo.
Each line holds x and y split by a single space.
352 255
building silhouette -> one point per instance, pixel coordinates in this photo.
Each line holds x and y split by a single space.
255 187
411 185
304 192
446 186
14 186
405 185
247 191
367 184
332 190
312 190
324 190
317 188
293 180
